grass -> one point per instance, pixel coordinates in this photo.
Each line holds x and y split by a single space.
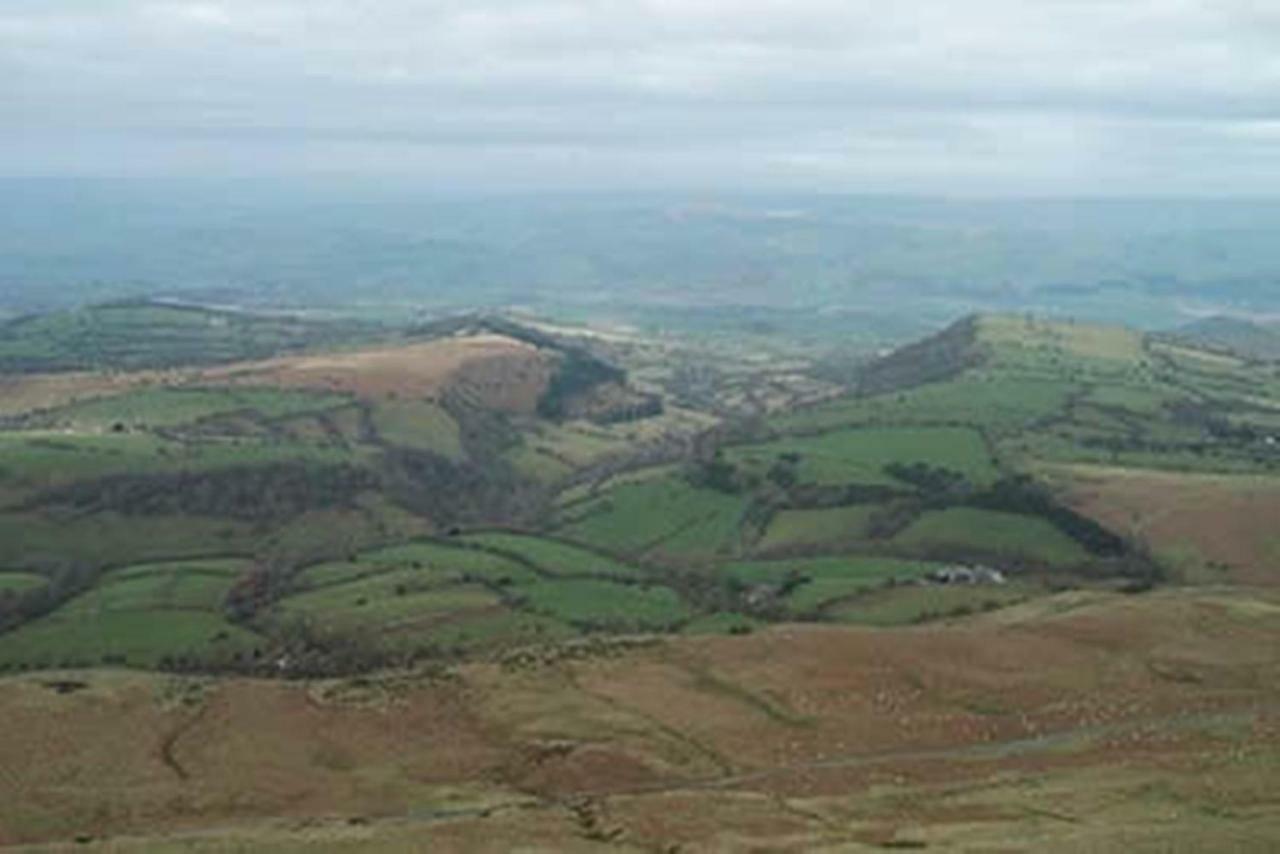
1142 400
422 563
554 557
505 629
1079 340
169 407
130 335
665 516
1000 535
457 562
137 615
418 424
384 601
1000 403
28 539
589 602
575 444
197 585
826 578
20 582
825 526
137 638
721 623
538 463
916 603
860 456
37 459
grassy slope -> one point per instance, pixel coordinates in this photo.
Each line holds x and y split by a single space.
971 530
664 515
830 526
859 456
131 335
137 616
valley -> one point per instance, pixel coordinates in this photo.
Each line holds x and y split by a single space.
499 575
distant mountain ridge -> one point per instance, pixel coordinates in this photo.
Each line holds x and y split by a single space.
1240 337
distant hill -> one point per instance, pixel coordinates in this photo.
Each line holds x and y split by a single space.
138 334
1040 347
933 359
78 242
1241 337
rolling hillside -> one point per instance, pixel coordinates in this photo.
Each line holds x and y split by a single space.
1009 445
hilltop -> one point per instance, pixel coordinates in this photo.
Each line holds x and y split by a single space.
143 333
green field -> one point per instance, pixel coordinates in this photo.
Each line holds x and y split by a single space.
141 334
386 601
438 562
567 533
395 607
548 452
27 539
818 581
554 557
499 630
828 526
860 456
31 459
20 582
138 616
135 638
169 407
905 605
198 585
1008 536
589 603
665 515
1000 403
418 424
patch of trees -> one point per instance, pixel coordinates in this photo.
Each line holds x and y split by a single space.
450 492
933 481
815 496
299 648
64 580
253 493
578 373
891 519
715 473
255 590
634 407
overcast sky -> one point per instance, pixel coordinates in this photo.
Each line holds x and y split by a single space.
948 96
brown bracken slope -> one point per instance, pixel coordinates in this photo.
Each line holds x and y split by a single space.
1085 722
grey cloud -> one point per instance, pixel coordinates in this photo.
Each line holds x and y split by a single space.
999 95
